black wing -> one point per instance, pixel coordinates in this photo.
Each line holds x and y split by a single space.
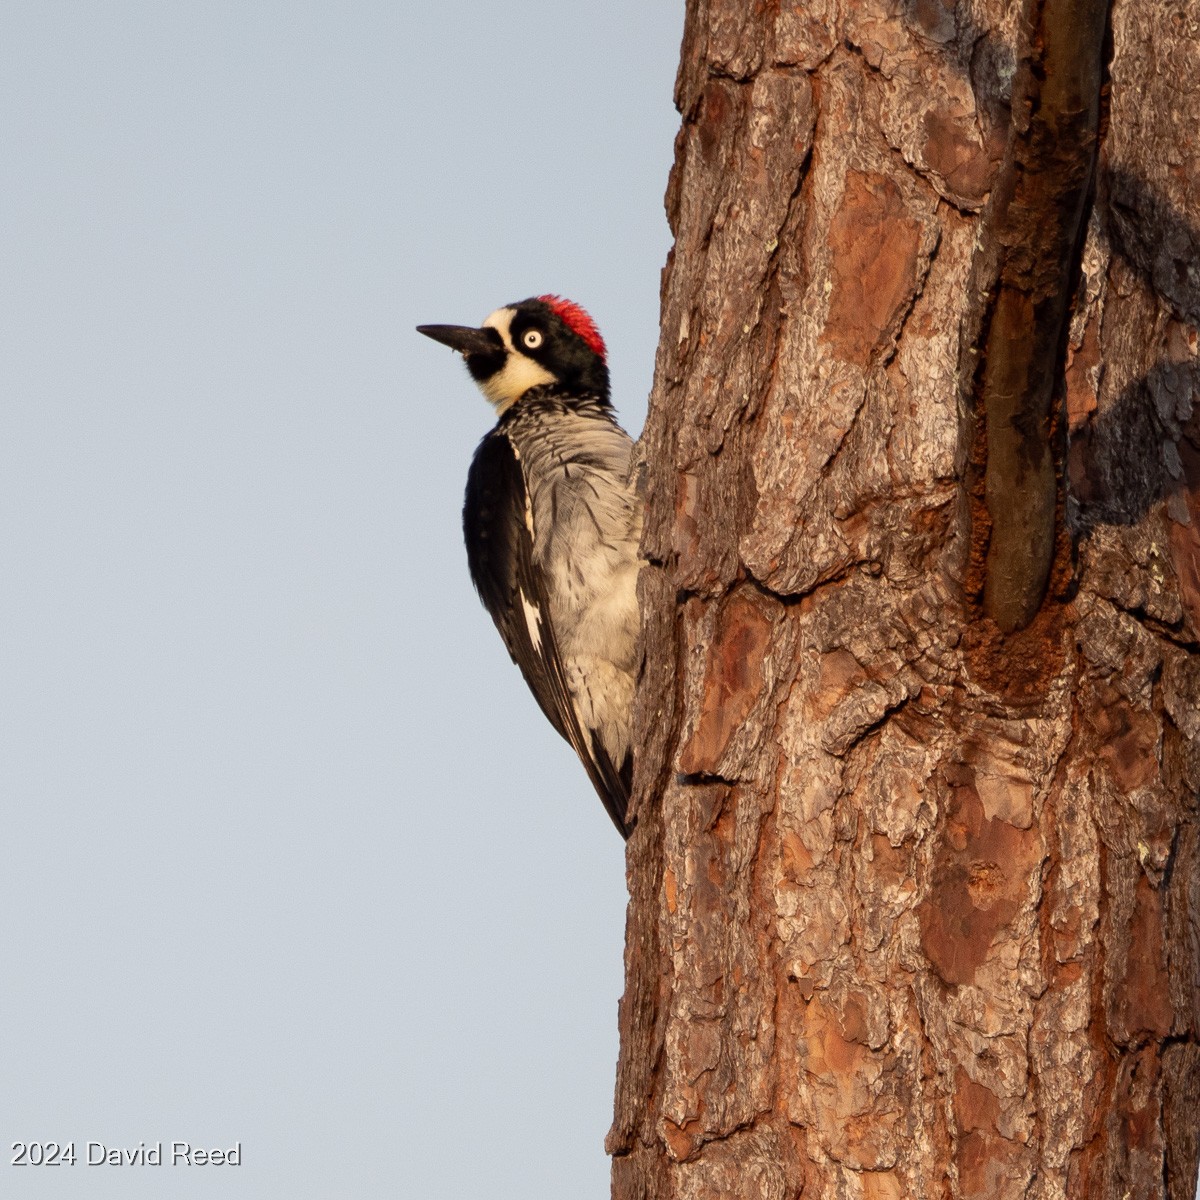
497 528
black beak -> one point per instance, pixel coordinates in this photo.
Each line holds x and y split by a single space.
464 339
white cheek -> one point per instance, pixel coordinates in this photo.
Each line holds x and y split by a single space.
518 375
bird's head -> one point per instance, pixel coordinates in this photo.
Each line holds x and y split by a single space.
540 341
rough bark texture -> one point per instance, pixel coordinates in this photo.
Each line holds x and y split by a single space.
915 899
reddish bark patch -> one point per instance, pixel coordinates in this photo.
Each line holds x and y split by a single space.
882 1185
850 1086
797 858
841 674
952 150
712 120
874 243
733 678
670 891
686 535
990 1167
892 865
854 1020
1020 665
976 1109
1128 741
980 880
1142 999
683 1141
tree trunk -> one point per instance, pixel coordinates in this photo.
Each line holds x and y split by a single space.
916 873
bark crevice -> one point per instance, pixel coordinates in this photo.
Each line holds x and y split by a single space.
1037 218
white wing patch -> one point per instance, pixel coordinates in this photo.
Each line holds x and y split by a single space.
528 513
525 482
533 622
533 614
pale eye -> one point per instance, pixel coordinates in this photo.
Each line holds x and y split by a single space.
531 339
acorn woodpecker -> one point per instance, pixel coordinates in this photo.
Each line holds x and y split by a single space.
552 522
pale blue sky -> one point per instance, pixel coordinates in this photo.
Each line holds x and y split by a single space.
290 857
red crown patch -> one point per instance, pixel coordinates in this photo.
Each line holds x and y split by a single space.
577 320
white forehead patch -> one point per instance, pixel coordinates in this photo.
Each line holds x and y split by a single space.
501 322
518 374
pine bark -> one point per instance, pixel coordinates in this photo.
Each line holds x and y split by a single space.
915 883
